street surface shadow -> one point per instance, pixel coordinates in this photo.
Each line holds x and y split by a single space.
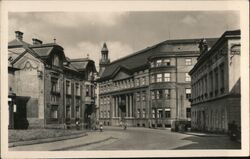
219 142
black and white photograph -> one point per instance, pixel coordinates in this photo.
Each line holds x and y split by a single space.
121 81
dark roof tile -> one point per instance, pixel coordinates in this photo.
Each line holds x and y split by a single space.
140 58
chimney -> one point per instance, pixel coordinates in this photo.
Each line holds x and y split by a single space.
19 35
37 41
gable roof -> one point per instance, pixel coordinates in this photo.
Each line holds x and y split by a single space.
140 58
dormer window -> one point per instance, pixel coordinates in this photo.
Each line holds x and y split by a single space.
56 61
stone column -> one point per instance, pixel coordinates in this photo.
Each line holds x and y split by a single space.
130 105
116 106
119 110
113 107
127 102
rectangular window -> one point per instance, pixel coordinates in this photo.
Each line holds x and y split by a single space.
159 77
54 85
205 77
77 89
101 114
143 113
167 113
104 114
104 100
167 77
77 112
158 62
153 113
137 82
143 96
159 94
68 89
167 93
152 95
101 100
222 87
108 114
211 83
152 78
137 96
54 112
188 112
188 62
216 81
143 81
68 111
187 77
152 64
138 113
188 93
166 62
159 113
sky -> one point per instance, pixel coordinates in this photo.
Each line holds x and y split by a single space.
82 33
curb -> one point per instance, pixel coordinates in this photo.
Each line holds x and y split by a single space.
86 144
40 141
203 135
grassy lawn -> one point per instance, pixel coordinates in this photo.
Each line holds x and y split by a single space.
31 134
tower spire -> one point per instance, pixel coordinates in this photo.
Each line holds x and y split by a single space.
104 61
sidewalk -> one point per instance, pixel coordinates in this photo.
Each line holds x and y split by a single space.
93 137
40 141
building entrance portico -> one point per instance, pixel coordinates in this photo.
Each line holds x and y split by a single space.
122 109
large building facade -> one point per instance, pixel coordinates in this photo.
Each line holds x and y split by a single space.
149 88
47 89
216 85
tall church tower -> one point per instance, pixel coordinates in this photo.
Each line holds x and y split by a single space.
104 61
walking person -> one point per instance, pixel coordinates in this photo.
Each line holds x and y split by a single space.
101 127
125 126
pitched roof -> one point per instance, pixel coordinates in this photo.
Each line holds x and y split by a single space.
140 58
80 63
17 43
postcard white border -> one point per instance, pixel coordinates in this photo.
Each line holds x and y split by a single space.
81 6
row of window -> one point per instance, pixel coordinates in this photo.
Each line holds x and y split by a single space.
166 77
105 114
69 88
160 94
141 113
160 77
210 84
68 112
141 97
129 83
105 100
167 62
55 87
54 112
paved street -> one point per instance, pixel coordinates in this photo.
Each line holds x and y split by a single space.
115 138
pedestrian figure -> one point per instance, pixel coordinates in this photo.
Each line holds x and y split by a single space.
101 127
77 125
125 126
